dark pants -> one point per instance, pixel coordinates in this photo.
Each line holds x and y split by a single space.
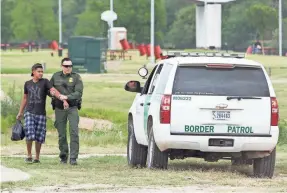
62 116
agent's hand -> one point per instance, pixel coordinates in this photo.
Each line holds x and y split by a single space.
63 97
66 104
19 116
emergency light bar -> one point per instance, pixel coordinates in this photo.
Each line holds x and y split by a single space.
204 54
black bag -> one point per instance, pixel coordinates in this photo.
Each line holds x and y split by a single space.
18 132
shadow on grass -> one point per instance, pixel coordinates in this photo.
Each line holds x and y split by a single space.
199 165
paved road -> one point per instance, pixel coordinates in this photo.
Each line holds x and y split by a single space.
13 175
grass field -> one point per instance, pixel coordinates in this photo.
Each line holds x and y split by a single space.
104 98
106 170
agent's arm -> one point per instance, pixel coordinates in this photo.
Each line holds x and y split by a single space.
78 90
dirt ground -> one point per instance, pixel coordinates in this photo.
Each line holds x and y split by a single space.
91 124
103 188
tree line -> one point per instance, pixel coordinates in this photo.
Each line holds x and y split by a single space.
243 21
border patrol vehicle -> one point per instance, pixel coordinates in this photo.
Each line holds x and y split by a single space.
204 105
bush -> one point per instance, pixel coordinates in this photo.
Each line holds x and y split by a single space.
9 109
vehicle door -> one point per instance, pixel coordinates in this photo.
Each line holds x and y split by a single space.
148 97
139 117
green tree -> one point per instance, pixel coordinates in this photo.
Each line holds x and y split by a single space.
89 22
236 30
6 31
182 32
70 11
275 39
263 18
133 15
34 20
172 7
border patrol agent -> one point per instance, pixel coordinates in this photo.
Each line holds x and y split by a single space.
70 85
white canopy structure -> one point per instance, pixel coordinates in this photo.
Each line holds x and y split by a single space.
208 22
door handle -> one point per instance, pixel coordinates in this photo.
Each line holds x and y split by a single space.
141 104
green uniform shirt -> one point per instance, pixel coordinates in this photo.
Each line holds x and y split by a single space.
70 85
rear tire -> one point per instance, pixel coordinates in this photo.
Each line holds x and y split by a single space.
136 153
156 158
264 167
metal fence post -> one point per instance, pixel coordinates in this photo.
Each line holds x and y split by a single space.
44 66
269 71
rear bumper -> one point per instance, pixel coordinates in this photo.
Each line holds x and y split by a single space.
165 140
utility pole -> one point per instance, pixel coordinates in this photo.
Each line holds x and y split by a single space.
112 9
60 23
280 27
152 32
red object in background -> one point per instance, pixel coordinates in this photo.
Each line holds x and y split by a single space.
137 46
157 52
131 45
54 45
147 48
249 50
286 54
125 44
142 49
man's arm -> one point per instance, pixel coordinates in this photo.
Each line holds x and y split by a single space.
51 90
54 92
78 90
23 103
50 85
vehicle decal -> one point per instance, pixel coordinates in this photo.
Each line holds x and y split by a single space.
210 129
199 128
146 109
181 98
238 129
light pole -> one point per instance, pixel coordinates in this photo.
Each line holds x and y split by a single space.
112 9
60 23
280 27
152 32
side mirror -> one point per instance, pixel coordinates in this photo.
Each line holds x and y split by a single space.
133 86
143 72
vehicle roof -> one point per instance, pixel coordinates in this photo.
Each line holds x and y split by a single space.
218 60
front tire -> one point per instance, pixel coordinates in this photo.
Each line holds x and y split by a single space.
136 153
156 158
264 167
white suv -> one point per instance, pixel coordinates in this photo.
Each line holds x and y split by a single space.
212 106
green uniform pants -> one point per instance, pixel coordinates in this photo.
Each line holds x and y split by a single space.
62 116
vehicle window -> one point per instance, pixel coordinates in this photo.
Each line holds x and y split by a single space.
147 83
239 81
163 79
155 79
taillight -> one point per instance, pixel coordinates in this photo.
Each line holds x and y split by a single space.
165 108
274 112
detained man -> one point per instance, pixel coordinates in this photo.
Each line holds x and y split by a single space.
34 104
